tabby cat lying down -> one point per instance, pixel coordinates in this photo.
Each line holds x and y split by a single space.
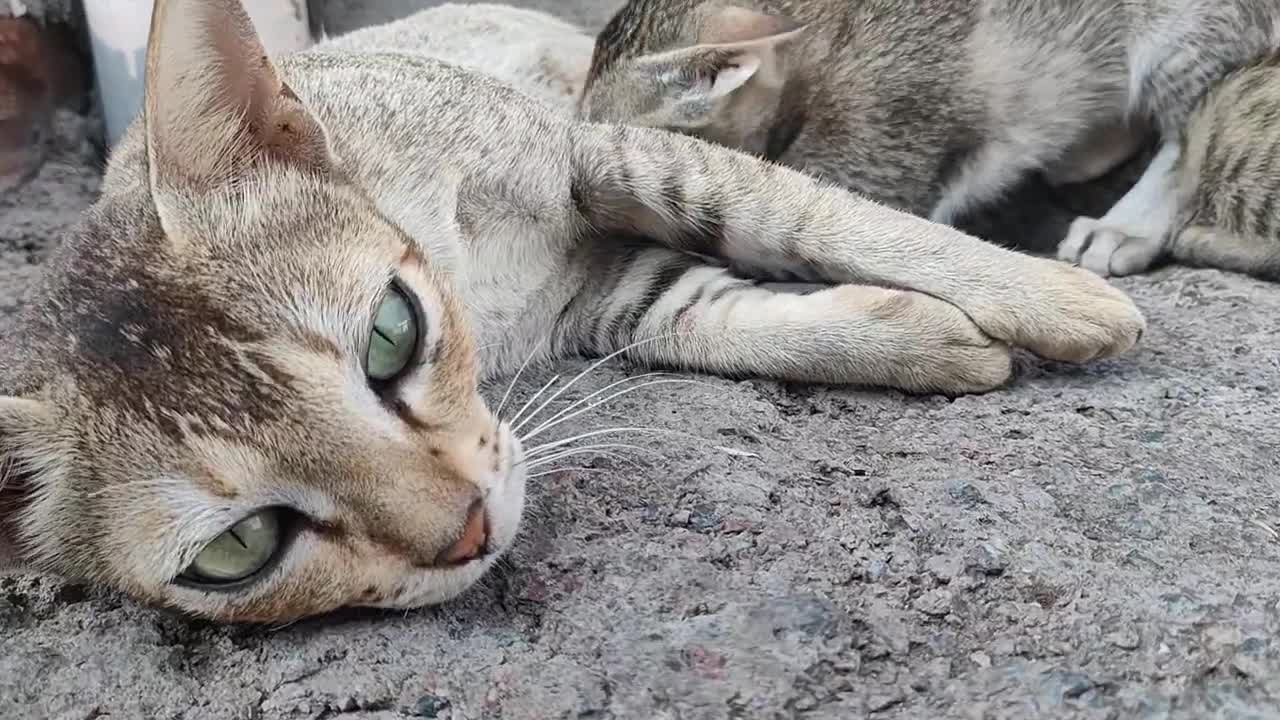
247 385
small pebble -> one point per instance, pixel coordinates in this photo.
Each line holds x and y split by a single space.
935 602
944 568
1125 638
989 557
430 706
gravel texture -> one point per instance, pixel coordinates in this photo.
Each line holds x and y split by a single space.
1092 542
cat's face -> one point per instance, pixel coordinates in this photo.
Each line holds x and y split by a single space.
243 392
702 69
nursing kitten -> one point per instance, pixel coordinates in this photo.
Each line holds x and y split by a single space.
246 386
1228 175
937 107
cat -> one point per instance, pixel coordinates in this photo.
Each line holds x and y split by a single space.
1226 179
246 386
938 107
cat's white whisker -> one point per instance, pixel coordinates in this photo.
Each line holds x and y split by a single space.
596 453
562 417
548 446
584 449
589 369
579 468
516 421
511 385
581 400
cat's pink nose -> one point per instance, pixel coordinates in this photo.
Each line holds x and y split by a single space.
474 541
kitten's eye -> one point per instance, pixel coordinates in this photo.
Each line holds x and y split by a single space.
235 555
395 336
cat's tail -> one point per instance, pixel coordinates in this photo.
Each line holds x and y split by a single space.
1216 247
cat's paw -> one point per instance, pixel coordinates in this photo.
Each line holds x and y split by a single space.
946 352
1061 312
1107 250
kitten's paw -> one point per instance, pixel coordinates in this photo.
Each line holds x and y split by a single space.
1108 251
1061 312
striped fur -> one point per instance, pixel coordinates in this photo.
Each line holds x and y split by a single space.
1228 176
194 352
940 108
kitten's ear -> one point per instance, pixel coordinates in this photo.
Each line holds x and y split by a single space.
733 45
739 25
214 102
23 424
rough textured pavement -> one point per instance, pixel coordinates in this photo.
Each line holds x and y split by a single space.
1095 542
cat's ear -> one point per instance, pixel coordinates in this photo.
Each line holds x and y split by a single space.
23 428
730 25
734 45
215 104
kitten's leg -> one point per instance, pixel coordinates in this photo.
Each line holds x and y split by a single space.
1132 235
672 310
1204 246
695 197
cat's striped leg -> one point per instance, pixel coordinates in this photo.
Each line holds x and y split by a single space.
672 310
696 197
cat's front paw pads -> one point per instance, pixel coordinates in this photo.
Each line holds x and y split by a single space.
1107 250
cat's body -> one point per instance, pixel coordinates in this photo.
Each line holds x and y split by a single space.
938 107
538 54
246 386
1228 175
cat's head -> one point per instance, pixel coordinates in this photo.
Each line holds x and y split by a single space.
709 69
240 391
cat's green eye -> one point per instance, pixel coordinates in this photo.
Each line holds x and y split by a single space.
239 553
394 338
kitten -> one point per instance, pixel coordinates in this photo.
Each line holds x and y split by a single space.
938 107
1227 178
246 386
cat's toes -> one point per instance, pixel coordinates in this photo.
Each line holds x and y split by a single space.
1108 251
974 369
1079 236
964 360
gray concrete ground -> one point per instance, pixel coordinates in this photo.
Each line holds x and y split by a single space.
1096 542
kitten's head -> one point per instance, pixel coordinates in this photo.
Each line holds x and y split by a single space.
708 69
240 390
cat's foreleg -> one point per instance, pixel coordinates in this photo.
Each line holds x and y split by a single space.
696 197
1133 234
666 309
